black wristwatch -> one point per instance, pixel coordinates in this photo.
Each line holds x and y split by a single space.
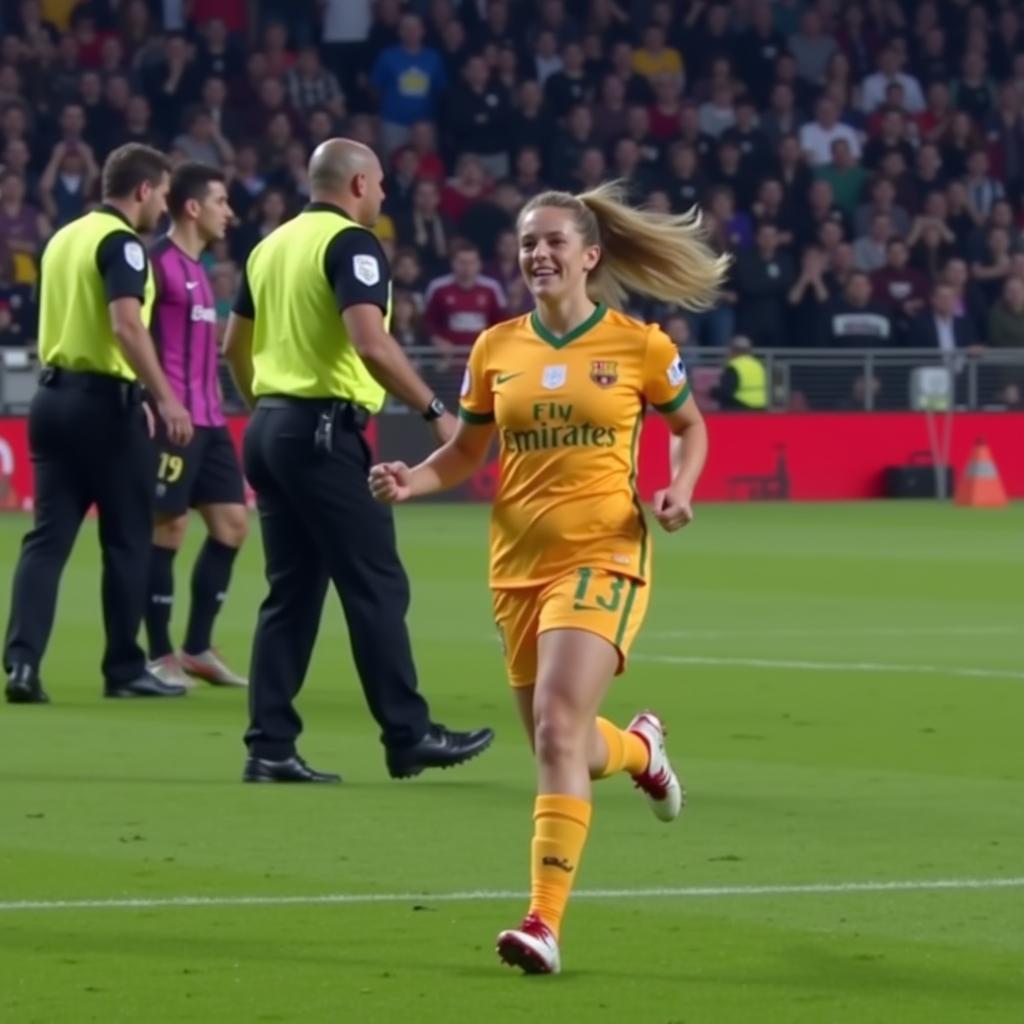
435 410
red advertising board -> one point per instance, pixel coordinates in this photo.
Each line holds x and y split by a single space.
798 456
827 456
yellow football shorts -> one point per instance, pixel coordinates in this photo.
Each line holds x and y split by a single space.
595 600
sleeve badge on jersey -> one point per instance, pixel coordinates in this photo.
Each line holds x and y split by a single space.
604 372
467 383
676 373
366 269
134 255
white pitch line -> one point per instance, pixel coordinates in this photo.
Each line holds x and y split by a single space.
355 899
890 668
830 631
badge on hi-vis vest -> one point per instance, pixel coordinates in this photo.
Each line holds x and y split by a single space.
134 255
366 269
604 372
553 377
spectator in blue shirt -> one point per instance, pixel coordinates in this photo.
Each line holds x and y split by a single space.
409 79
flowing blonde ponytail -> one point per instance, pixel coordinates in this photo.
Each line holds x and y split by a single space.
664 256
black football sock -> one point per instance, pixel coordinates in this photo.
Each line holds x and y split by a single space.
210 579
159 601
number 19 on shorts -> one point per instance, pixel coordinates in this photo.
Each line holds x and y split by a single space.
170 469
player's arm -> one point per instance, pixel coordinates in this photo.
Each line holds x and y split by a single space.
122 264
457 460
238 353
451 465
238 341
667 388
688 451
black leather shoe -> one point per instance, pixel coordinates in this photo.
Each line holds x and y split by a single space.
294 769
440 748
24 686
147 685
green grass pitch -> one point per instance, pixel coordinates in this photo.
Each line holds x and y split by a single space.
844 689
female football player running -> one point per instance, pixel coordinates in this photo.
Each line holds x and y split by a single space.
565 387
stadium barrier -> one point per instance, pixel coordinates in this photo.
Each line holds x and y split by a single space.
782 456
801 449
800 379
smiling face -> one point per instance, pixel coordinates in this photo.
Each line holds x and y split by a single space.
554 257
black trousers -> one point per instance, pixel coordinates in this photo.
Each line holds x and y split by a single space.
88 439
320 523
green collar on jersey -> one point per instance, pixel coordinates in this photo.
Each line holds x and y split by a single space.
560 342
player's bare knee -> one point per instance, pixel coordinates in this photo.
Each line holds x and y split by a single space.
231 526
558 738
170 533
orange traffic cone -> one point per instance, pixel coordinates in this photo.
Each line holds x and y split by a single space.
980 485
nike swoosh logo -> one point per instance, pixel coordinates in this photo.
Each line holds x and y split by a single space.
191 284
503 377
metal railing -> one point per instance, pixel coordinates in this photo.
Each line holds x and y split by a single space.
871 379
800 379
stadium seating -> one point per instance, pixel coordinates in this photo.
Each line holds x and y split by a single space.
815 147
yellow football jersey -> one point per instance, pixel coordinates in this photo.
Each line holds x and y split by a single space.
568 413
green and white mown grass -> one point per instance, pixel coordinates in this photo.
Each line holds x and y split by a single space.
809 662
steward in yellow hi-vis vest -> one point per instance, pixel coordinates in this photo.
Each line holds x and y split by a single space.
300 347
564 392
89 263
752 381
87 427
744 380
309 347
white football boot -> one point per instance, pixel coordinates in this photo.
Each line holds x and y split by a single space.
532 947
168 670
210 666
659 782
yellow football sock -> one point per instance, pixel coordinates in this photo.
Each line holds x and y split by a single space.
627 752
559 834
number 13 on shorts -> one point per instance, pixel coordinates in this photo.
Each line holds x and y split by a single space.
596 600
608 602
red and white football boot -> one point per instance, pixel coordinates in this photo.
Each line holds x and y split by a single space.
659 782
532 947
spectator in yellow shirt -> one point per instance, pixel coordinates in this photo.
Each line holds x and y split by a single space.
655 57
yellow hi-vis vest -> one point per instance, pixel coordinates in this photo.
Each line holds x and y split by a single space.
300 346
752 389
75 332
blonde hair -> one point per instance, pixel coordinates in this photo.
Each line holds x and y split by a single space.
665 256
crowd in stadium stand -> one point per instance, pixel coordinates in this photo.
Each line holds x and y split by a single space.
864 161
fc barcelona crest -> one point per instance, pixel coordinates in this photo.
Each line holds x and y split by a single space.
604 372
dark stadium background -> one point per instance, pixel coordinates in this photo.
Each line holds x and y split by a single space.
816 137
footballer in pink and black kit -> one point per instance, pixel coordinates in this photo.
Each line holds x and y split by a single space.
204 474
